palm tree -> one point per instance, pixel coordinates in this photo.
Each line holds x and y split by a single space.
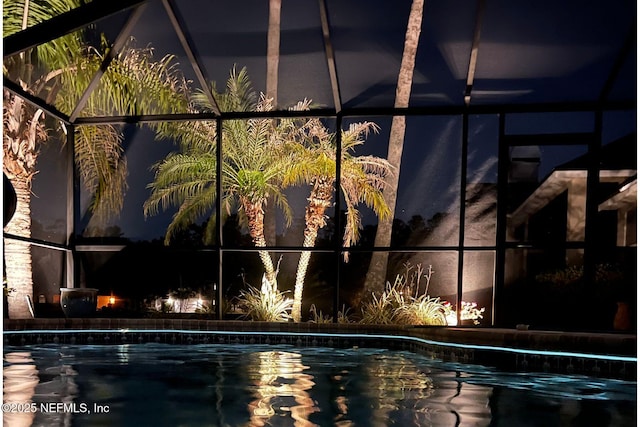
376 274
59 71
251 171
362 180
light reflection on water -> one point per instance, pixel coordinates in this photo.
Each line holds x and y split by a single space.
20 378
280 385
218 385
24 385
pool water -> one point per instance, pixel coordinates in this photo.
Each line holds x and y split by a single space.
265 385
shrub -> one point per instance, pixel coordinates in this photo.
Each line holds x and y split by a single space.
393 306
267 304
382 310
422 311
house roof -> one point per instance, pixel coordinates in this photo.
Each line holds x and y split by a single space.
618 164
616 155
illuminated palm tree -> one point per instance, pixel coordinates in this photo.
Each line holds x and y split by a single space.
59 71
251 171
362 180
375 279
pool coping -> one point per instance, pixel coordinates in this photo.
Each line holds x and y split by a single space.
609 355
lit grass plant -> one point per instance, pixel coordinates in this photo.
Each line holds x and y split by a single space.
267 304
403 303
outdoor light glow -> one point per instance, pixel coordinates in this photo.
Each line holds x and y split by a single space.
112 300
452 319
470 311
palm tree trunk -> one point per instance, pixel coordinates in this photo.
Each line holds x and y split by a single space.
319 201
377 272
255 221
22 131
303 264
17 254
269 270
273 50
273 60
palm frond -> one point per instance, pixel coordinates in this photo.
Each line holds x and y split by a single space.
56 54
190 211
178 178
282 203
240 95
356 134
136 83
352 228
194 136
102 169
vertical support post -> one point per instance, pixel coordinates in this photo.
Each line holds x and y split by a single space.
73 207
463 192
337 217
593 181
501 225
219 243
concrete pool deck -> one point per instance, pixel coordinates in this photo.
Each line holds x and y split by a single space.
599 354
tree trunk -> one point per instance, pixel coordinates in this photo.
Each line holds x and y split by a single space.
303 264
375 279
17 254
269 270
255 222
273 50
22 131
314 218
273 59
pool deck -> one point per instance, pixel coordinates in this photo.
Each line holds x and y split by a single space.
601 354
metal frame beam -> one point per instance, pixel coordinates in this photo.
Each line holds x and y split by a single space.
179 27
66 23
473 59
330 55
117 46
629 44
35 101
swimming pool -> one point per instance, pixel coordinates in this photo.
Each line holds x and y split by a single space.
157 384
